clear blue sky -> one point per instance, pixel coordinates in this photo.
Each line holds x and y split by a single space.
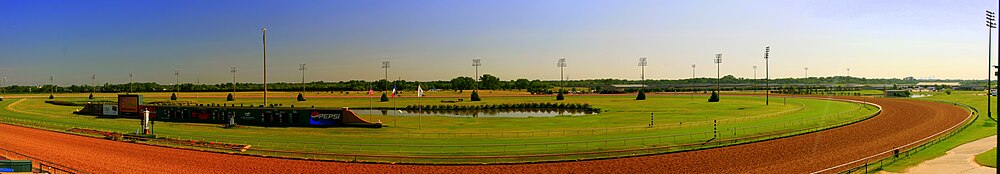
436 40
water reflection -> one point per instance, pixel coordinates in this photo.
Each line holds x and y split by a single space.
479 112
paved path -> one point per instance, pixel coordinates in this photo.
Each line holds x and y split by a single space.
961 159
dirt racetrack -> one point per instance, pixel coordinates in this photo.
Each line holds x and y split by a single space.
902 121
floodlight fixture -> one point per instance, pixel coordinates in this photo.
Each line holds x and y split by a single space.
642 65
385 65
302 67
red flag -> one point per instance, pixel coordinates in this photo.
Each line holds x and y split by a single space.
371 92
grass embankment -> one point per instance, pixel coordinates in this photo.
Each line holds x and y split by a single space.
483 136
988 158
981 128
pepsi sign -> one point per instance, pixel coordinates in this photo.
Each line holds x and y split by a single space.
324 118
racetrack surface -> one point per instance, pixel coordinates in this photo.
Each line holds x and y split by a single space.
902 121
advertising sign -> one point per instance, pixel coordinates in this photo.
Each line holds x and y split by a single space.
324 118
109 110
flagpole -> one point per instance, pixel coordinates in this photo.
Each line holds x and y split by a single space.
370 104
420 94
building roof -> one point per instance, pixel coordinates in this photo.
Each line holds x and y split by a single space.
938 84
629 86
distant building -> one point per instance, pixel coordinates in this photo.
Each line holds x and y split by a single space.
932 86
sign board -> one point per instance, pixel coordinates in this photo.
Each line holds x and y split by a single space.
128 104
324 118
109 110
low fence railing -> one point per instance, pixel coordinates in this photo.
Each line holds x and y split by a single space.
39 165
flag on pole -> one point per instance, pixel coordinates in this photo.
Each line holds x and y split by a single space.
371 92
393 90
420 91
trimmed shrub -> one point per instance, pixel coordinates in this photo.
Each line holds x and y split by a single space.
51 97
300 98
384 98
230 97
560 96
947 92
91 96
714 97
475 96
641 96
173 96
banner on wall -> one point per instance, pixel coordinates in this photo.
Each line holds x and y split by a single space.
109 110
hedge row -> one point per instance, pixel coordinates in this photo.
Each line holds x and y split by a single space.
502 106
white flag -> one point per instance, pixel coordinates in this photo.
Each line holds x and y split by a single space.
420 91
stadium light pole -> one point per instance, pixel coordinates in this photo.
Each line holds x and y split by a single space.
385 65
93 88
807 72
130 81
302 67
692 81
53 84
177 80
718 72
767 75
642 71
561 65
754 81
264 41
476 63
233 70
990 25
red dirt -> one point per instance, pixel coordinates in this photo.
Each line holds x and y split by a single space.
901 122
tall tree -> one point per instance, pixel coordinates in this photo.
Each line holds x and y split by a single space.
462 83
488 81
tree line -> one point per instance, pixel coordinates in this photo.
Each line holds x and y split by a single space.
486 82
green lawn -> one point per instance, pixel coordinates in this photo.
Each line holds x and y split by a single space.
981 128
988 158
679 120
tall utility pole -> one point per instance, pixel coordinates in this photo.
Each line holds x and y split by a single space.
302 67
177 80
264 41
385 65
476 63
561 65
990 25
3 88
718 72
53 84
767 76
233 70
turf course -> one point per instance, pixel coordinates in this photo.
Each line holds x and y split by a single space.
622 125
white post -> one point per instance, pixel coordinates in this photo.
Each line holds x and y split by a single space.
145 121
